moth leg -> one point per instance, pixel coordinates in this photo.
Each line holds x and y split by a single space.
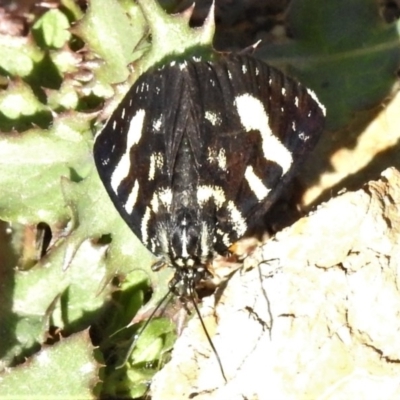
160 264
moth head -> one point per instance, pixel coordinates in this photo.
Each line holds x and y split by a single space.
186 280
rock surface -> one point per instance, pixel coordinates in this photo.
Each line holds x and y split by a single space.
314 313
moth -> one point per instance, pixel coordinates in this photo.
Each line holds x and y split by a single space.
197 151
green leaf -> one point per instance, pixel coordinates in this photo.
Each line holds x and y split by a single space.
66 97
49 294
65 370
73 8
18 55
31 167
69 286
344 51
19 101
181 38
108 31
51 29
145 361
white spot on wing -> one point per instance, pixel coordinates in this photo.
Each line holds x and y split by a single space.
303 136
224 237
205 193
156 163
219 158
254 117
237 220
205 239
165 196
314 96
130 203
212 117
133 136
144 225
225 240
155 203
157 124
256 184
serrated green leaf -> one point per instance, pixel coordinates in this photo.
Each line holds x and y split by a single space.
153 340
18 55
66 61
63 371
19 100
73 7
64 98
181 38
31 167
68 297
51 29
145 361
108 32
70 284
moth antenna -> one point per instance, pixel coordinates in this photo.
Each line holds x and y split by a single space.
208 336
137 335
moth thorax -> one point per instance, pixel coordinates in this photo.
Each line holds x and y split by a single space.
186 242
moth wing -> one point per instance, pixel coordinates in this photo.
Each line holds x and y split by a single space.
255 126
135 151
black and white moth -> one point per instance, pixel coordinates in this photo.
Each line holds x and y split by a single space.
199 150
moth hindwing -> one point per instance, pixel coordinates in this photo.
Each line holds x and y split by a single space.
197 150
